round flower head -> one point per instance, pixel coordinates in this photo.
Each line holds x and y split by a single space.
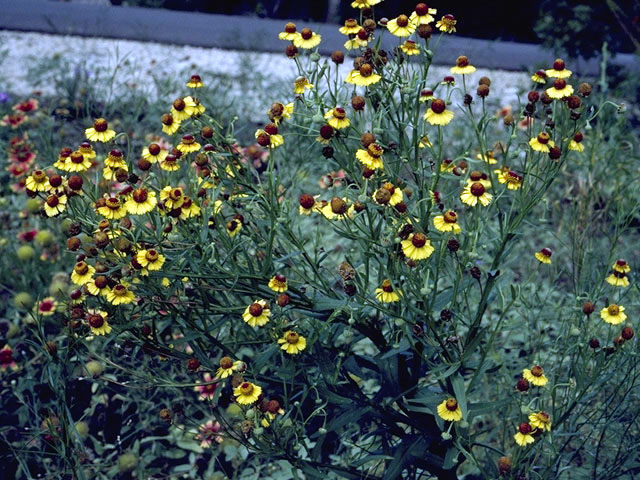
388 194
77 162
113 209
360 39
55 204
257 314
350 27
289 33
97 321
98 286
87 150
233 227
269 137
6 359
437 113
82 273
364 3
208 433
63 157
559 70
449 410
47 306
300 85
195 82
228 367
617 279
410 48
463 67
307 39
120 295
613 314
100 131
535 376
474 193
278 283
511 178
182 108
621 266
539 77
38 181
207 390
576 142
386 294
423 15
141 201
150 259
426 95
561 89
172 197
447 222
170 163
115 159
188 144
417 247
541 421
401 26
247 393
170 125
544 256
154 153
523 437
479 177
337 118
447 24
189 209
364 76
292 343
541 143
371 157
337 209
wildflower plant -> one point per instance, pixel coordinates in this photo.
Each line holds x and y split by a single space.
353 327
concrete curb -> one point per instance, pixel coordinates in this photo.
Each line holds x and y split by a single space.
252 34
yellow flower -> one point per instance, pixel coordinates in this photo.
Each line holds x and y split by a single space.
364 3
613 314
544 255
474 193
172 197
438 114
388 194
188 144
410 48
300 85
257 314
170 125
560 89
449 410
87 150
447 222
141 201
76 162
269 137
120 295
55 204
233 227
541 421
278 283
350 27
371 157
307 204
417 247
82 273
337 118
426 95
401 26
539 77
535 376
541 143
511 178
100 131
621 266
47 306
195 82
112 209
423 15
463 67
362 77
289 32
447 23
357 42
228 367
559 70
307 39
247 393
182 108
38 182
292 343
576 142
489 158
154 153
189 209
150 259
336 209
386 294
97 320
97 286
618 279
523 437
425 142
115 160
